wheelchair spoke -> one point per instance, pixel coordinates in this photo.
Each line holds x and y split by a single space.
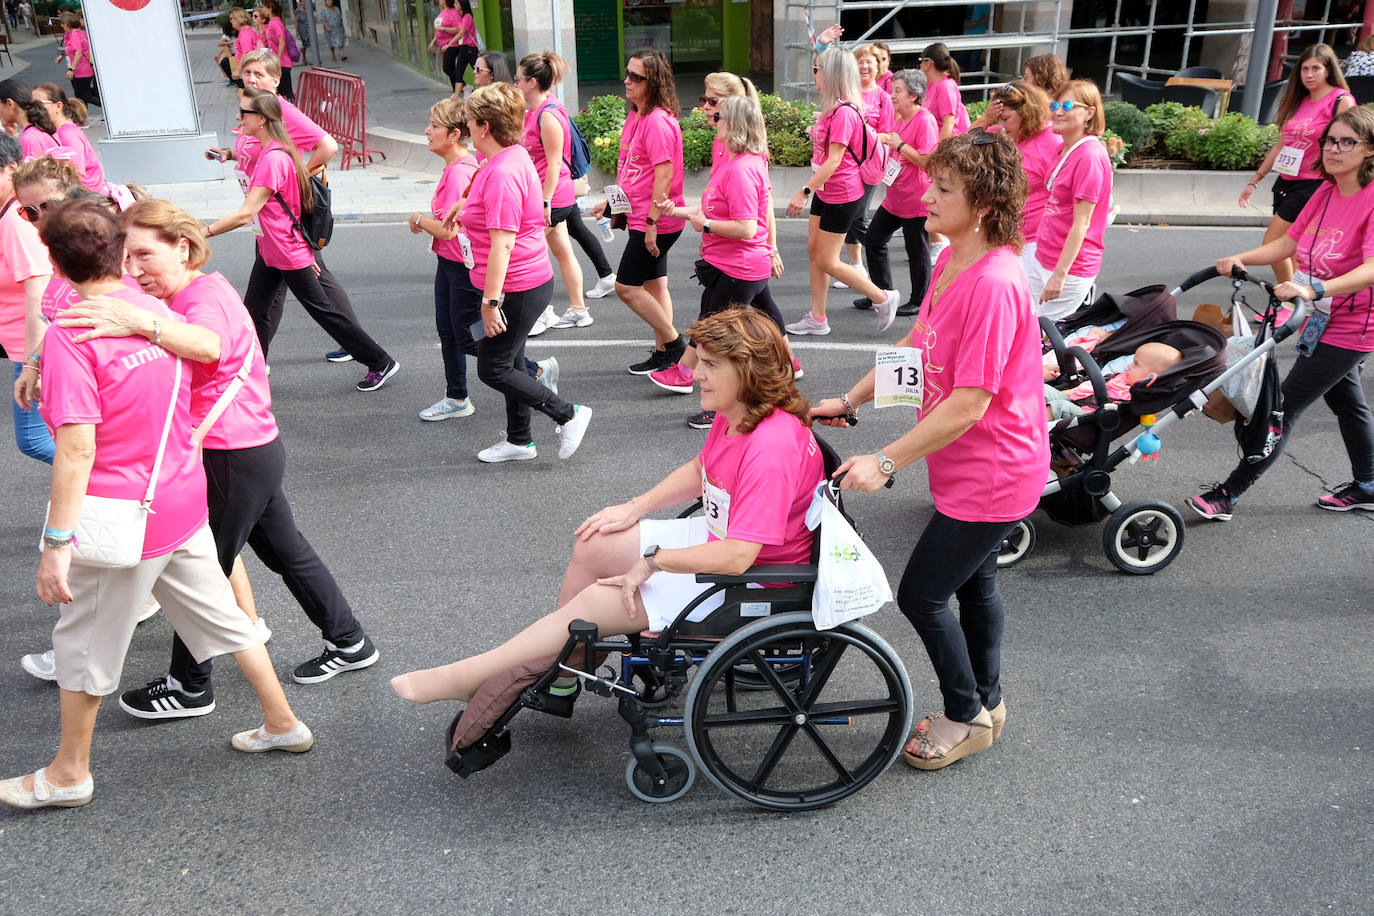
770 675
851 708
820 674
774 716
824 747
775 752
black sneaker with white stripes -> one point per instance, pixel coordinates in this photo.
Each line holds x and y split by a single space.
160 700
334 660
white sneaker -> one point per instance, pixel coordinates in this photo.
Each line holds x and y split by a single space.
447 408
858 265
887 309
261 628
505 451
572 318
549 377
603 288
543 322
809 325
150 607
570 434
260 740
42 665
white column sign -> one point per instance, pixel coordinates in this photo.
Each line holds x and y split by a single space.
140 58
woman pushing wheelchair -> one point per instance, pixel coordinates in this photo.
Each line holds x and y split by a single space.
755 474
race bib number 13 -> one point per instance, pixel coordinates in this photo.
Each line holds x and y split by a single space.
898 378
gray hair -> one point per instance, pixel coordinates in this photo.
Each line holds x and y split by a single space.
744 122
914 80
840 75
11 153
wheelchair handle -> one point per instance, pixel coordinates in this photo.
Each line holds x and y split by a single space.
833 483
850 418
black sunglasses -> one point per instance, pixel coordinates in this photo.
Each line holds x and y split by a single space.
709 100
31 214
244 111
636 77
815 69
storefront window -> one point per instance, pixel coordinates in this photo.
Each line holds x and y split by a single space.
688 31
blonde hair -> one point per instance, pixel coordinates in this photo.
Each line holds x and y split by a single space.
744 119
1085 92
60 172
452 113
269 60
840 76
728 84
171 224
501 107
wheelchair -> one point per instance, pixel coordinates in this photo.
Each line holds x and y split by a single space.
775 712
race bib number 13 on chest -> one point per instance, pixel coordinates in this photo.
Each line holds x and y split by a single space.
898 379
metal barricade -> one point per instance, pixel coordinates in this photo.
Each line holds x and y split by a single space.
337 101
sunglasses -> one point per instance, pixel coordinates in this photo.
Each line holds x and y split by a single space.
31 214
244 111
481 69
709 100
636 77
1341 144
815 69
1066 106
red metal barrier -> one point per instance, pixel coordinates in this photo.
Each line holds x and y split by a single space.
337 101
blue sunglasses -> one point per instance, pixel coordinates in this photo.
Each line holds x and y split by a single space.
1065 106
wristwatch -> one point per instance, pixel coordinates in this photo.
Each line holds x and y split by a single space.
806 190
706 227
650 221
886 465
49 541
649 553
492 303
1318 288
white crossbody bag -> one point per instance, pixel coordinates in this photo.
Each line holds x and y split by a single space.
109 531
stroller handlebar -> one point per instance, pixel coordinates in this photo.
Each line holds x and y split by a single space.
1281 332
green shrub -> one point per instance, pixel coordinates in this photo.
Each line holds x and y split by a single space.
1117 148
1129 123
976 110
1164 118
698 136
789 144
1235 142
1188 134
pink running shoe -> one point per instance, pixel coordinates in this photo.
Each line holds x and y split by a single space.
796 367
677 378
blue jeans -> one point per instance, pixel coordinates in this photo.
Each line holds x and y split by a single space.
30 432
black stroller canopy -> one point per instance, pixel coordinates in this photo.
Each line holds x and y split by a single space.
1148 306
1204 358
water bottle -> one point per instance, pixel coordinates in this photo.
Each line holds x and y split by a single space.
603 226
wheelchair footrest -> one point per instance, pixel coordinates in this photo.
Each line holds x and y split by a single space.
490 748
555 704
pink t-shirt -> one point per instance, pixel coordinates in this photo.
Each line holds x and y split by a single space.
470 36
1087 175
770 475
1304 130
304 133
533 143
841 124
885 81
72 139
247 40
506 195
447 26
1335 235
123 386
275 41
878 110
22 257
738 189
644 143
983 333
211 303
1039 153
59 295
35 142
452 183
942 98
76 41
903 198
281 243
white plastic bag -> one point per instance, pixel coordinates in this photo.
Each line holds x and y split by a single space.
850 581
1243 389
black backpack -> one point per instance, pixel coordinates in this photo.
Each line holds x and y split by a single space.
316 226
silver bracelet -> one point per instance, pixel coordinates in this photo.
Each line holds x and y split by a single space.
157 332
847 405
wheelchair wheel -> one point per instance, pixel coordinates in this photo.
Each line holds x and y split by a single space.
1017 545
680 770
1143 537
808 742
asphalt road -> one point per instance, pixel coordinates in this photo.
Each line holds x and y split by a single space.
1189 742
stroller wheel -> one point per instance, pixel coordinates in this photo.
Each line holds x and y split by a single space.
1017 545
1143 537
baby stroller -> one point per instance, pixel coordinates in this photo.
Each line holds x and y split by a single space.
1144 536
1141 308
778 713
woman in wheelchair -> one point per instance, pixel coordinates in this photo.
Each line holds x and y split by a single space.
755 474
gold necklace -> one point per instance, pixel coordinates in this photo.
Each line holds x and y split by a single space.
952 271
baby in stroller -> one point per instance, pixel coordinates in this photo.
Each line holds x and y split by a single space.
1149 362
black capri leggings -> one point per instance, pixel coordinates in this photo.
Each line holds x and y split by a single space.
726 290
456 62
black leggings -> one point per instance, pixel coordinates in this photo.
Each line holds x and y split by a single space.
955 558
501 366
917 243
284 87
727 290
580 233
456 62
1332 373
249 506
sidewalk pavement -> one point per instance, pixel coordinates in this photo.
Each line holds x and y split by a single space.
398 102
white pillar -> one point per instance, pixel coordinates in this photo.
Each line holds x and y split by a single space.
533 24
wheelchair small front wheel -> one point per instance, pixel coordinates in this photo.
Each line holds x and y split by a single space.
679 774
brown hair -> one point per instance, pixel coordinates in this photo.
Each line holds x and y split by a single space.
1049 73
662 88
1294 93
45 168
1029 101
752 342
70 21
239 16
989 167
939 57
545 68
75 109
170 224
453 114
269 60
84 240
501 107
1085 92
1361 121
269 106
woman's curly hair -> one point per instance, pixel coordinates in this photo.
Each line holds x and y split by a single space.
988 164
751 341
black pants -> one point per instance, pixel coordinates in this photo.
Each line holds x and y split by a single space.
858 227
457 306
726 291
1332 373
284 87
955 558
248 506
917 242
580 233
84 88
501 366
266 295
